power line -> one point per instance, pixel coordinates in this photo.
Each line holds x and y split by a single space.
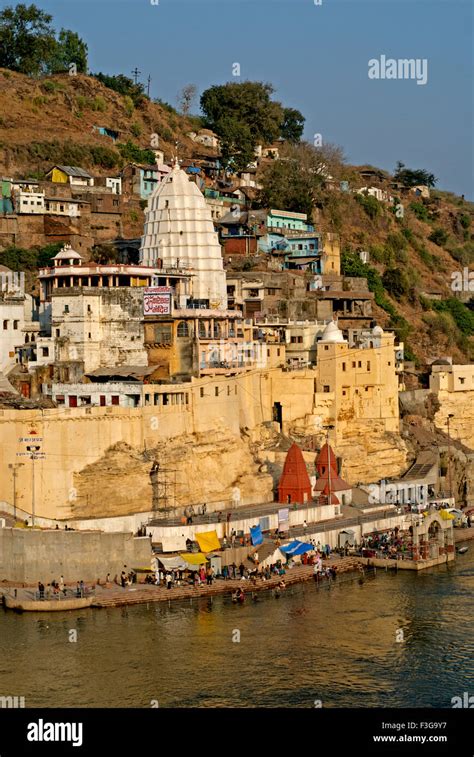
135 73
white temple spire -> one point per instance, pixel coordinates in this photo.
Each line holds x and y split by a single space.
179 227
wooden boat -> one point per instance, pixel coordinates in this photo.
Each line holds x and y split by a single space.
46 605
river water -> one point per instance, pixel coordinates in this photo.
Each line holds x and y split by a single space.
338 646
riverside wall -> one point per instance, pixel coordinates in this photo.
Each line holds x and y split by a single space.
29 556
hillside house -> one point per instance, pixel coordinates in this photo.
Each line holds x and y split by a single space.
27 197
106 132
205 137
140 179
72 175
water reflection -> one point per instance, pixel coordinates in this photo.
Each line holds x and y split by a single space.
337 645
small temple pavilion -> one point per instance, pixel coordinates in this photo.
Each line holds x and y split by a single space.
328 482
294 485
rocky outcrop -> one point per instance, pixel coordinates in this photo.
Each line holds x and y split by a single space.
192 469
369 454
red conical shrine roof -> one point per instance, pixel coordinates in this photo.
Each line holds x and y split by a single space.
325 493
294 479
325 455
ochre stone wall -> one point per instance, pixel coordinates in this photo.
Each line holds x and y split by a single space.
461 405
208 442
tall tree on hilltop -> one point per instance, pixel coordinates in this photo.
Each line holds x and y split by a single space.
243 115
70 48
26 39
28 43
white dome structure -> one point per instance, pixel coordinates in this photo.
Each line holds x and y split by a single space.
179 230
67 253
377 331
332 334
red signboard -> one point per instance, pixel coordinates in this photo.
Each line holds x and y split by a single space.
157 301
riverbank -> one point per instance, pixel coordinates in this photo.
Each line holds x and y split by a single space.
112 595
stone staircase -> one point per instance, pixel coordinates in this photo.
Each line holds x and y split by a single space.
141 594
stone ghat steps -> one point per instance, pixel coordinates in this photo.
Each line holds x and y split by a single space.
160 594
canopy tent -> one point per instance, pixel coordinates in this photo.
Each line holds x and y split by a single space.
193 559
208 541
173 563
296 548
256 535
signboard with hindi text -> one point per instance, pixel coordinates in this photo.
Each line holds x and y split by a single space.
157 301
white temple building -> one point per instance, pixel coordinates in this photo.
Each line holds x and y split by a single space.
179 232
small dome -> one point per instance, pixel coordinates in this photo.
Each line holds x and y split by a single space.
377 331
67 253
332 333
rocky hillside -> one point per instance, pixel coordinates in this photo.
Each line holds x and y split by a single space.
52 119
412 258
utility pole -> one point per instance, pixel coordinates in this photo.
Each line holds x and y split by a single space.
328 429
148 85
135 73
14 467
33 449
451 415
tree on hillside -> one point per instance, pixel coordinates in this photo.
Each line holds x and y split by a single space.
413 177
28 43
237 144
395 282
70 48
26 39
243 115
123 85
292 126
296 179
186 98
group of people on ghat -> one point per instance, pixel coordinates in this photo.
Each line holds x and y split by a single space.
388 544
56 589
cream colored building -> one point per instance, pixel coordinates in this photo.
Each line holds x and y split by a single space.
451 378
16 317
361 382
331 255
93 327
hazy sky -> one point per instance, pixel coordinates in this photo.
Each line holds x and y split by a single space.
317 58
